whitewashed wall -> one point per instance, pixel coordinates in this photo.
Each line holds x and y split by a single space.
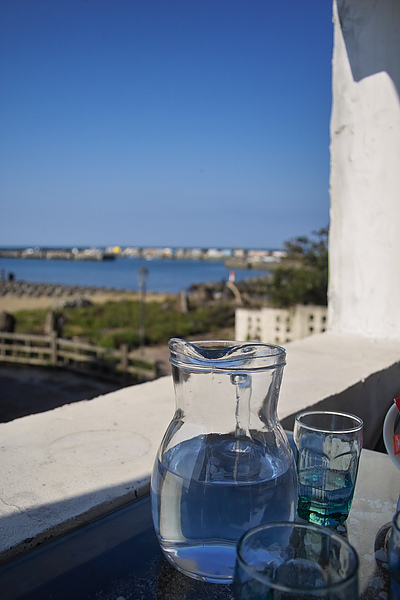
364 246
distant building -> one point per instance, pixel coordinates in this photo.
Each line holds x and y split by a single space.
131 251
279 325
213 254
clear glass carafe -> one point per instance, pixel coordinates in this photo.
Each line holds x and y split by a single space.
225 464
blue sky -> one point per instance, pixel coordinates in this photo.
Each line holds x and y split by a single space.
164 122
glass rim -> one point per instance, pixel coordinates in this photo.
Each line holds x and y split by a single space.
225 355
359 424
323 531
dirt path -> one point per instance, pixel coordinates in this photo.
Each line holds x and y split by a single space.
30 390
26 390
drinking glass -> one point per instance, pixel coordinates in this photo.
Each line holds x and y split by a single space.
394 558
328 452
295 561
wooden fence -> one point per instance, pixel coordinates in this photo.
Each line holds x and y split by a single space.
49 350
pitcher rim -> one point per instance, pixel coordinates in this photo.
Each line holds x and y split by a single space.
225 355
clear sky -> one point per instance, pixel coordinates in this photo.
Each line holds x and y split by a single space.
164 122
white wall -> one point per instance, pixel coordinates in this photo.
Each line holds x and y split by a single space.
364 246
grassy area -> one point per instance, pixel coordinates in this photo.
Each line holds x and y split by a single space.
113 323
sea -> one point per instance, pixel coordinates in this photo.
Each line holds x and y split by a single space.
164 275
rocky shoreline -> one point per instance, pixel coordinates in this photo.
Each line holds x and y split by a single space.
23 295
20 288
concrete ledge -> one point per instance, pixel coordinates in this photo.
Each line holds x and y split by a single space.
75 463
342 372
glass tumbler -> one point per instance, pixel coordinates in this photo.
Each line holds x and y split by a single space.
294 561
328 452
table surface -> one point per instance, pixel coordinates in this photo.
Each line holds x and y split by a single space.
118 558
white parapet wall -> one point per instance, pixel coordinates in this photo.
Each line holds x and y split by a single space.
279 325
67 466
364 245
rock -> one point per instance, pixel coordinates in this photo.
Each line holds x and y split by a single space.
7 322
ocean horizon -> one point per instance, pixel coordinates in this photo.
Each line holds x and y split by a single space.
164 275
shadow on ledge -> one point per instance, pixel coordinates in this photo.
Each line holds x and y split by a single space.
29 390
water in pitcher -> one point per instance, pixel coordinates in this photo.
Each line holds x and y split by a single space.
208 491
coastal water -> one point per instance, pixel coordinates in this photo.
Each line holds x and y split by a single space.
170 276
208 491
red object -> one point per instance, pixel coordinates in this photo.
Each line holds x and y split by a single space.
397 400
396 443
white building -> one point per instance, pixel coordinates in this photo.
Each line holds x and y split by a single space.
279 325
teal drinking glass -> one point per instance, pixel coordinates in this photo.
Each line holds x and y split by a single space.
294 561
328 447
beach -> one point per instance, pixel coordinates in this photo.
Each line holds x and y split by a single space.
13 304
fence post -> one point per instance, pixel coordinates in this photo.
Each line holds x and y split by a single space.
124 358
53 348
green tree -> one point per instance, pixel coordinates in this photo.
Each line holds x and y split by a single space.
302 277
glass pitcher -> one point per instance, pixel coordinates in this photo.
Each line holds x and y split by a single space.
225 464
